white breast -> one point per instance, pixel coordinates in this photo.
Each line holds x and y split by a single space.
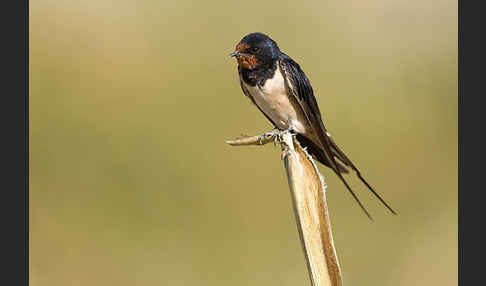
273 100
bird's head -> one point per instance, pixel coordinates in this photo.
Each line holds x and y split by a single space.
256 50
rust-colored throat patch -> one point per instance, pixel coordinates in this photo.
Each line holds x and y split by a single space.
247 61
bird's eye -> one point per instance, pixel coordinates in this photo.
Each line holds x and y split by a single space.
255 49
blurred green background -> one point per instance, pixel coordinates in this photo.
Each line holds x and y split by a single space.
132 183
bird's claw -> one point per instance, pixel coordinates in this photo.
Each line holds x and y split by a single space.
265 136
276 134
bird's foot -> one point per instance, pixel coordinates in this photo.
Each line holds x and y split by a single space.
266 135
276 134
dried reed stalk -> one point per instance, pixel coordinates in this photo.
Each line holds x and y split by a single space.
308 192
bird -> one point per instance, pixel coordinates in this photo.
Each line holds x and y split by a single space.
280 89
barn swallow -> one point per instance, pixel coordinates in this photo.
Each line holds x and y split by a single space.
279 88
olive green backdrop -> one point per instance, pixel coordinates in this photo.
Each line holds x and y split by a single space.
131 182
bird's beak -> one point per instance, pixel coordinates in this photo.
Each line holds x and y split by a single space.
234 54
